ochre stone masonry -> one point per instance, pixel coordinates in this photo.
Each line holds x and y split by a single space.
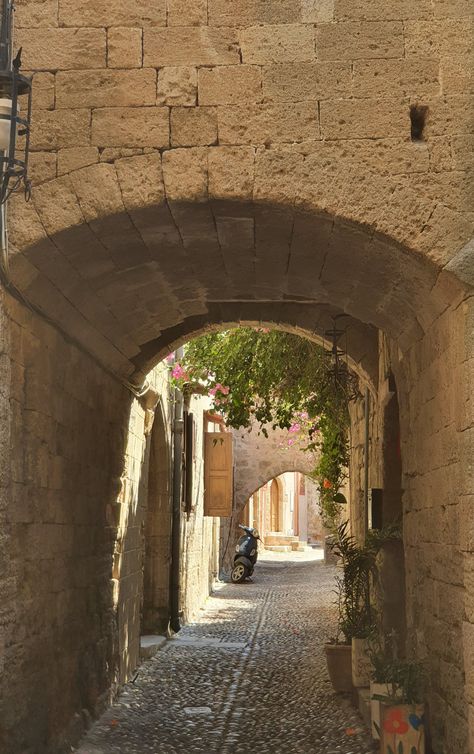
201 164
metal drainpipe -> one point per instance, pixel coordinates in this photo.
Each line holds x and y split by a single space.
178 430
366 459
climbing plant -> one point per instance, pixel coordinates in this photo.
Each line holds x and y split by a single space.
280 380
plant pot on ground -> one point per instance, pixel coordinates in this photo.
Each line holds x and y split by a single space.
339 662
396 707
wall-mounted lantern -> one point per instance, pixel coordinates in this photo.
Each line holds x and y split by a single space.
14 127
344 380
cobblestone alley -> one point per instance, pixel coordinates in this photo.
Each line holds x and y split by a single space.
249 676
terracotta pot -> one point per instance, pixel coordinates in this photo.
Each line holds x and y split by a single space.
339 660
402 730
361 665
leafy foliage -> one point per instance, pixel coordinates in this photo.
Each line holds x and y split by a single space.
274 378
357 615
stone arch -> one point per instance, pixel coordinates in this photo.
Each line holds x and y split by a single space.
129 257
257 459
293 183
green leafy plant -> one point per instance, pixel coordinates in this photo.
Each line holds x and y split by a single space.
356 612
404 678
280 380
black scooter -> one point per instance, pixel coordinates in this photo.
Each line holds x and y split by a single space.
246 555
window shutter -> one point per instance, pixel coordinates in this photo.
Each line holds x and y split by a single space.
218 476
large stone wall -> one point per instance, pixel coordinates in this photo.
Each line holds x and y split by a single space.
436 501
72 513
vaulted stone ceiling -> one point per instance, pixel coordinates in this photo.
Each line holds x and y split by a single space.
128 259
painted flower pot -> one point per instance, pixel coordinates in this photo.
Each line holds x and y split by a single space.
402 730
361 666
376 690
339 661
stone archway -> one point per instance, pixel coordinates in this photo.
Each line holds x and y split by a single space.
283 187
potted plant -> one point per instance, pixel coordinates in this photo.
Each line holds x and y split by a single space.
339 650
347 659
396 704
358 618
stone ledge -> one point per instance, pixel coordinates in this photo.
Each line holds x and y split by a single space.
149 645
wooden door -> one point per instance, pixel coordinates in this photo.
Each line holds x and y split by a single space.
218 474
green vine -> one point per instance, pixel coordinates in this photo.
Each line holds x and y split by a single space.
280 380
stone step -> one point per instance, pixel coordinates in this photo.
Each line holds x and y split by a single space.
149 645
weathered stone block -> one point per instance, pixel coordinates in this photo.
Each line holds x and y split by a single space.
184 13
409 78
364 119
449 115
385 10
106 88
185 173
190 46
294 82
245 12
62 49
452 9
231 172
457 74
355 40
36 13
317 11
130 127
53 129
75 158
177 85
44 89
42 167
112 13
277 44
429 39
124 47
196 126
268 123
110 154
230 85
151 188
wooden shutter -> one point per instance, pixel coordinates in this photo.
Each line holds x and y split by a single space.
218 478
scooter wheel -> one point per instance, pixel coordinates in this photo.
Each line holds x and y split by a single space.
239 572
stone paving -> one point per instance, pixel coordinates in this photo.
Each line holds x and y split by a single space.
250 675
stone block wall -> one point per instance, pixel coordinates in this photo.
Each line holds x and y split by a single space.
64 423
73 498
437 481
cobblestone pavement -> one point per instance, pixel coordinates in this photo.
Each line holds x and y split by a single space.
250 675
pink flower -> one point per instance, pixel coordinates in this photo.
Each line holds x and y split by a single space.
213 391
295 427
217 402
225 390
179 373
291 441
169 358
304 415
